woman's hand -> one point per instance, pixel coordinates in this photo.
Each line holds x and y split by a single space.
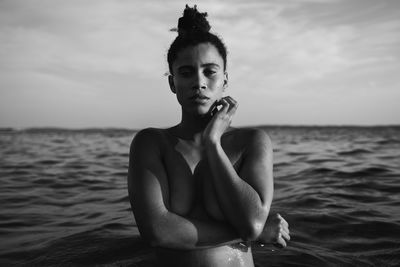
221 121
276 231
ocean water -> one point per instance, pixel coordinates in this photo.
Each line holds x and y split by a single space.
64 201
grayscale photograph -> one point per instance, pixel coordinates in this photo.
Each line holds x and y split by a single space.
200 134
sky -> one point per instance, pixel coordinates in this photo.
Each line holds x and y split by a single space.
102 63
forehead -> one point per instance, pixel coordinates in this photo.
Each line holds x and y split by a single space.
198 55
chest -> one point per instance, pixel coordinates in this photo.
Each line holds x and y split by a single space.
189 175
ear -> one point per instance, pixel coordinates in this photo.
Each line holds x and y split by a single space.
171 83
225 85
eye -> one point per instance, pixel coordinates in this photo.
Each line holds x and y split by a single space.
209 72
185 73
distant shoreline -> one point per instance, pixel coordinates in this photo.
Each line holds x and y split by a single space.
120 129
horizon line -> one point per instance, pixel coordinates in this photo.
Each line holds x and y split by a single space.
97 128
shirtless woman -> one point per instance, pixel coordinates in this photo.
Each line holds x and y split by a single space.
202 190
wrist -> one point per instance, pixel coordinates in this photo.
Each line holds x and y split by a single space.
212 142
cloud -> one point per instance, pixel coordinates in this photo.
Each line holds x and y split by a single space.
285 50
98 51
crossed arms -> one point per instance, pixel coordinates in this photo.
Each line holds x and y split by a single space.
244 197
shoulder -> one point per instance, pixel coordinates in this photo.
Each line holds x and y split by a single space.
148 139
251 137
148 134
257 151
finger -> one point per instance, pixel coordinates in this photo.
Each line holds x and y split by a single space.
219 105
231 99
284 227
285 235
214 107
225 105
218 102
283 221
280 243
233 105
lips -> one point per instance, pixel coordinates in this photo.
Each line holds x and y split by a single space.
199 96
199 99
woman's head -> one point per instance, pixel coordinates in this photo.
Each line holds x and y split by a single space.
193 29
197 63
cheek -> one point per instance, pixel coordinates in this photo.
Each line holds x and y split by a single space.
218 86
180 88
181 93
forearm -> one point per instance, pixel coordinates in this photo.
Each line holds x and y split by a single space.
240 202
178 232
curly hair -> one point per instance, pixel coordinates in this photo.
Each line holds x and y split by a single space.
193 29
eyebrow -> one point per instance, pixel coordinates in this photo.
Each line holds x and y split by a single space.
203 65
210 65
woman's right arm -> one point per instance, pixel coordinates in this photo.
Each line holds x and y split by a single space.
149 197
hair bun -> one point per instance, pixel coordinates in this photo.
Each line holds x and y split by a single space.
193 21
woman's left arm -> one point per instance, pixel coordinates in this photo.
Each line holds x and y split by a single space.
245 197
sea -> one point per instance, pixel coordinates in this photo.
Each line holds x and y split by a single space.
64 198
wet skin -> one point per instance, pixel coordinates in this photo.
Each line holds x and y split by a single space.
193 187
191 194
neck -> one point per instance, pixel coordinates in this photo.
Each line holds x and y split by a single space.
191 126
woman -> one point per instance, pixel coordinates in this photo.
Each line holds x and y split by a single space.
202 190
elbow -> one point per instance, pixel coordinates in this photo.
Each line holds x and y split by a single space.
252 231
152 240
254 227
153 236
155 242
163 240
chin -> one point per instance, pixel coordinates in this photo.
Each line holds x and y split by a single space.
201 111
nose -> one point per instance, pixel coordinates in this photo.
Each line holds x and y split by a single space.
199 82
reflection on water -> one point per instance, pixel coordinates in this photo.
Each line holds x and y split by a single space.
64 198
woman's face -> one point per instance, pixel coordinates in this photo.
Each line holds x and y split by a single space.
199 78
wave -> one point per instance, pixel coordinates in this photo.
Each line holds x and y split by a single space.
354 152
365 172
65 202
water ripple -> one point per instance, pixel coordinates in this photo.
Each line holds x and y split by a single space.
64 198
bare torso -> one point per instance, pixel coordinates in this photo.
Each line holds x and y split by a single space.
191 194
